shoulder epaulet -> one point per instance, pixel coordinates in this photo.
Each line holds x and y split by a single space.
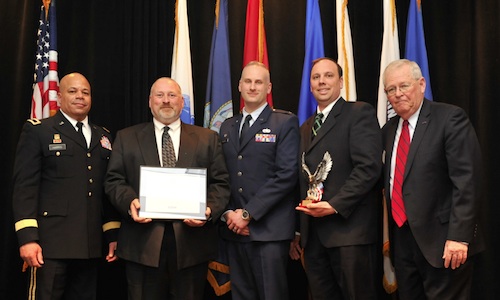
34 121
282 111
105 129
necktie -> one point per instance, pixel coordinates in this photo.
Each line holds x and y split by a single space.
318 121
397 204
245 126
80 131
167 149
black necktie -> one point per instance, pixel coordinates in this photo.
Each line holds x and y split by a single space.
245 127
80 131
318 121
167 149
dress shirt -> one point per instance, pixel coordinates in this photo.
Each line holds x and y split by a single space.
175 135
87 132
412 124
255 114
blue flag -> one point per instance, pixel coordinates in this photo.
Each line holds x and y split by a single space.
314 49
219 104
415 43
219 107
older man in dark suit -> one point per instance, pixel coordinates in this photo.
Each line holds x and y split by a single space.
339 229
166 259
59 199
432 180
261 150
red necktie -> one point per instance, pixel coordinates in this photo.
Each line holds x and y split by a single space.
397 204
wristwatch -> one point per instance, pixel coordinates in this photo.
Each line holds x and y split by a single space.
245 215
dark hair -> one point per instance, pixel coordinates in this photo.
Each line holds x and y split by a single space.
330 59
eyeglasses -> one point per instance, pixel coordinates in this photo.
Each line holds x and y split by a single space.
402 88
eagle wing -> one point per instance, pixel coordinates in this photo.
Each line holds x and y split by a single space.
323 168
305 168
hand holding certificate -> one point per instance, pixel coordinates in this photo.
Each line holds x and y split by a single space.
173 193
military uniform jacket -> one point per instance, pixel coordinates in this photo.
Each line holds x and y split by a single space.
58 198
263 168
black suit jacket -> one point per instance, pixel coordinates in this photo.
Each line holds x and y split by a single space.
351 135
136 146
441 180
58 197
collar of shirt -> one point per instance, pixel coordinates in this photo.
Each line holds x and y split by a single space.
255 114
327 110
73 121
412 123
87 132
174 132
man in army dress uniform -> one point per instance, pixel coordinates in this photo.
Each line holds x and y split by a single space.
58 198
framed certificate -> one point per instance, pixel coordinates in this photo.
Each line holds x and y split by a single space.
173 193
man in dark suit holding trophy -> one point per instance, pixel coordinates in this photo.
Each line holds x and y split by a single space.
339 219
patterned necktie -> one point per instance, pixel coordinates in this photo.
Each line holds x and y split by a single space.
245 126
318 121
397 204
80 131
167 149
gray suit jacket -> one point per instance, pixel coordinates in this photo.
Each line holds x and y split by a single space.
136 146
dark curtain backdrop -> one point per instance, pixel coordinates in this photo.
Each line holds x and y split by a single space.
123 46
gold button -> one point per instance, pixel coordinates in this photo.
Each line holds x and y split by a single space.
240 190
89 154
58 153
240 157
90 194
91 180
45 213
89 167
239 173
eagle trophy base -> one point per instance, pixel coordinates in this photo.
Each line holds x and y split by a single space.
308 201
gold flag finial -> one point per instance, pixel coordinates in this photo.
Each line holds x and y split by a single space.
46 4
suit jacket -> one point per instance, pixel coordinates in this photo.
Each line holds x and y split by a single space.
141 243
441 180
264 171
58 197
351 135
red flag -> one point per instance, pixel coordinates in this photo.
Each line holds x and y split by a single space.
255 39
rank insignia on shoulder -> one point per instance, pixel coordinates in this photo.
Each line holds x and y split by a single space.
105 129
34 121
286 112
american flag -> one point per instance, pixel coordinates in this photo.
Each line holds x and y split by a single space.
46 81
